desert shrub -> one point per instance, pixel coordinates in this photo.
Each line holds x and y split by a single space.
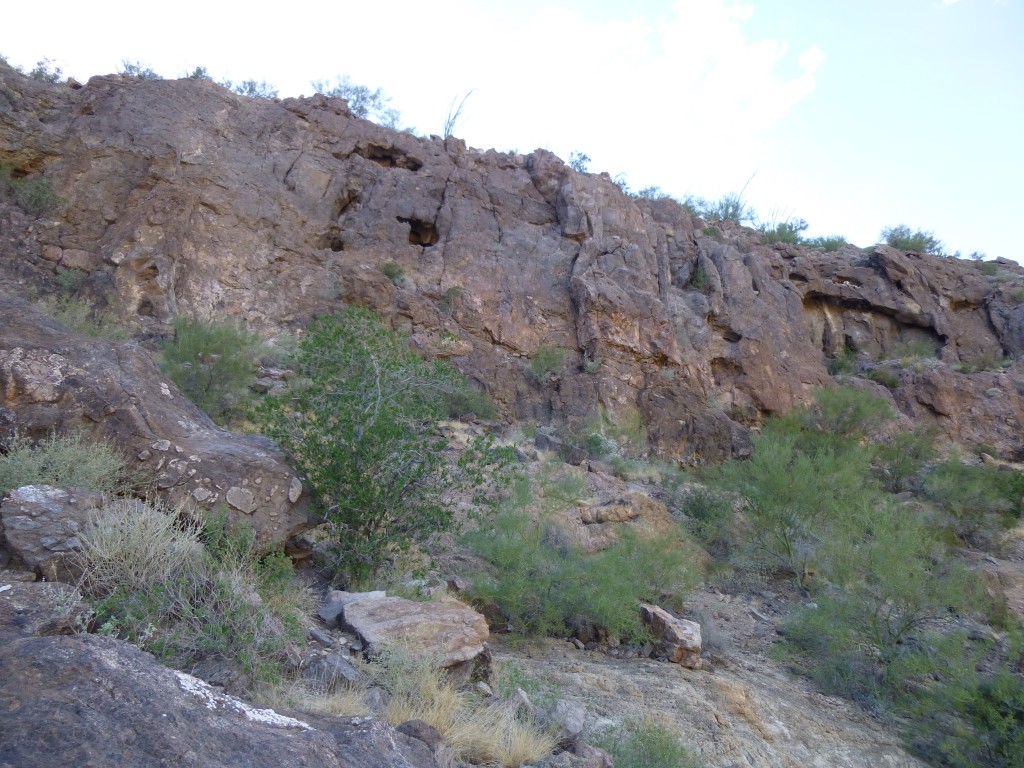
63 461
884 375
213 363
544 584
974 723
729 207
710 517
360 421
917 241
45 71
843 363
482 733
910 351
645 744
579 161
547 359
185 597
365 102
846 412
981 500
792 495
828 243
82 317
138 70
701 280
788 231
984 361
393 271
33 194
900 459
469 401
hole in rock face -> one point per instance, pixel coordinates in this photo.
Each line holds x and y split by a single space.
420 232
331 239
389 157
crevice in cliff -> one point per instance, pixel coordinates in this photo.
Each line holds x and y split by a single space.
388 156
421 232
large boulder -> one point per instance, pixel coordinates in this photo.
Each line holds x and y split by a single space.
72 700
446 630
40 526
677 639
52 379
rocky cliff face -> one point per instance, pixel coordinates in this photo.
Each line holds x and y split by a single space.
185 199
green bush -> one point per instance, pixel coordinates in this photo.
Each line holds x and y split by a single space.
361 422
981 500
900 460
547 359
784 232
63 461
910 351
365 103
829 244
213 363
33 194
82 317
917 241
974 723
645 744
393 271
884 375
185 597
544 584
710 517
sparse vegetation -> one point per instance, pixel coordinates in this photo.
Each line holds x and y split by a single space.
214 364
547 360
917 241
544 584
63 461
645 744
828 243
497 733
393 271
33 194
365 102
788 231
138 70
184 595
579 161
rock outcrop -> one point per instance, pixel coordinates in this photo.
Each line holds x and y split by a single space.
52 379
186 199
80 700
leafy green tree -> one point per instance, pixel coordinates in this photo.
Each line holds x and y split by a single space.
361 423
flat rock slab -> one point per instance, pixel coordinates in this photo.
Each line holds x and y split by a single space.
445 629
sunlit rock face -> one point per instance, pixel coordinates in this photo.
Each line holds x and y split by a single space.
183 198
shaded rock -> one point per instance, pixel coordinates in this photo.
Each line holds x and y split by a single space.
678 639
41 608
336 600
431 738
330 672
41 525
52 379
110 704
443 629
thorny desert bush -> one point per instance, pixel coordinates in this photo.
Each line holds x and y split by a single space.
63 461
213 363
361 421
547 359
917 241
33 194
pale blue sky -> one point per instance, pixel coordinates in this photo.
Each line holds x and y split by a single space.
852 114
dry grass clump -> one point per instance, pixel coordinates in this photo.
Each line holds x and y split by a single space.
493 734
137 546
301 695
